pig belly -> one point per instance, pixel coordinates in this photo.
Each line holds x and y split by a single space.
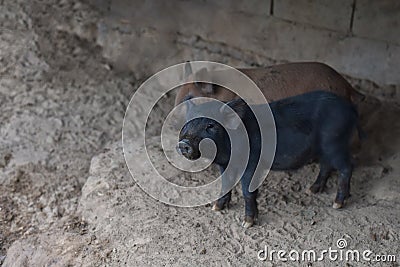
293 150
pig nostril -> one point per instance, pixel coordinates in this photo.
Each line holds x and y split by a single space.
185 148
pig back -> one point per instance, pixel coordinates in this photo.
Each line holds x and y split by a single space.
286 80
282 81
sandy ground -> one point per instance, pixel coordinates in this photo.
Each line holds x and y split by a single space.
67 197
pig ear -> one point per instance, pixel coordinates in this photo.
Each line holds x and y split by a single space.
205 87
188 69
231 121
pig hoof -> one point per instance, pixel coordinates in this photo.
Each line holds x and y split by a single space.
337 205
218 206
215 207
248 222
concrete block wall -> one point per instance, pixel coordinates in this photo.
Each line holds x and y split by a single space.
332 15
378 20
359 38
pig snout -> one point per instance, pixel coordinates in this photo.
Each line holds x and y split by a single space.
185 149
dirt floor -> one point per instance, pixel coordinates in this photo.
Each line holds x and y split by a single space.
67 197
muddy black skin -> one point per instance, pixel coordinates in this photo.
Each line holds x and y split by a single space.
315 126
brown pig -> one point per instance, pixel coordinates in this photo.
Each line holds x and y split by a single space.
276 82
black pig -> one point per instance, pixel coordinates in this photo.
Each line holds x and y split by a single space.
315 126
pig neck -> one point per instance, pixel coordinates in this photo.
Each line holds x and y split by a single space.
253 132
223 153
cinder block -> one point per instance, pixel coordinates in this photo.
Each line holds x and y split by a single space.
378 20
366 59
334 15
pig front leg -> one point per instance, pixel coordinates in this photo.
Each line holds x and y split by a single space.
225 200
250 198
222 202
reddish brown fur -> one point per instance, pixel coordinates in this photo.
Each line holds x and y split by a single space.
285 80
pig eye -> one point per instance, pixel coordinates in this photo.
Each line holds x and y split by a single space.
210 126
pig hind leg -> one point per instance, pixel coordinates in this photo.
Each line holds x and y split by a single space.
340 159
336 131
343 192
319 184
